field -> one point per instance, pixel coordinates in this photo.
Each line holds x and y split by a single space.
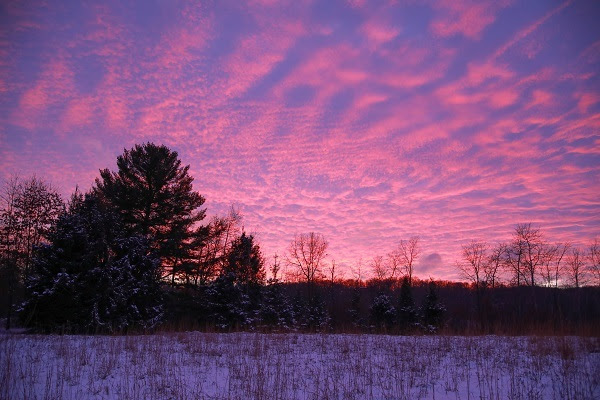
297 366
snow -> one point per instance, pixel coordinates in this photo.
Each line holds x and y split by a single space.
297 366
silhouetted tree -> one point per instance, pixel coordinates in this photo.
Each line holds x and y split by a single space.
91 277
354 311
28 209
407 312
532 250
433 310
474 263
276 310
245 261
153 194
594 261
383 313
228 303
407 253
552 266
379 268
306 253
493 265
576 273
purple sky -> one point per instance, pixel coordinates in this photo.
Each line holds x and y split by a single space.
365 121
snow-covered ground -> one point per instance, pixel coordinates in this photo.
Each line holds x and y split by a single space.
297 366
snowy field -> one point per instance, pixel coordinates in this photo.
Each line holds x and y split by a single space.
297 366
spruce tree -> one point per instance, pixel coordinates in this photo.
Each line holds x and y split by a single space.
433 310
245 261
407 312
91 277
228 304
383 313
275 309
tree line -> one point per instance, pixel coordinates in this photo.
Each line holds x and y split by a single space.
135 252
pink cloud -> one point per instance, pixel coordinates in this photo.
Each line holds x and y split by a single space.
542 97
379 32
366 138
468 18
54 84
587 100
78 113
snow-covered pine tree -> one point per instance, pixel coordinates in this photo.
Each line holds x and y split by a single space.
91 279
228 304
433 310
383 313
316 315
276 311
354 311
407 311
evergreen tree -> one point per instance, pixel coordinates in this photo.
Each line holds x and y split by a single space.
90 277
153 194
275 309
317 317
227 303
407 312
354 310
310 315
383 313
433 310
245 261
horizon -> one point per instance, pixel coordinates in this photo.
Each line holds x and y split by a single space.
366 123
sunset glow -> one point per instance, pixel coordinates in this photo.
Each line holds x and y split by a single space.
368 122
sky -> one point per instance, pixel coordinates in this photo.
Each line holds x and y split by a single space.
365 121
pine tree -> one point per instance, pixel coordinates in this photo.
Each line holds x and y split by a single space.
433 310
91 277
227 304
407 312
383 313
275 309
354 310
245 261
153 194
311 315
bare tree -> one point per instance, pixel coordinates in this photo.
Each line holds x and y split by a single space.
275 267
594 261
28 209
473 267
513 260
407 252
306 254
393 263
576 267
474 262
525 255
552 263
491 268
380 271
37 207
358 272
210 253
331 272
10 241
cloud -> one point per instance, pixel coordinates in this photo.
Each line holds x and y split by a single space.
368 129
465 17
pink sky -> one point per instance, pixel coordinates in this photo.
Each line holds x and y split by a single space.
365 121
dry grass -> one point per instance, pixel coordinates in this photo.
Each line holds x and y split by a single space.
296 366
